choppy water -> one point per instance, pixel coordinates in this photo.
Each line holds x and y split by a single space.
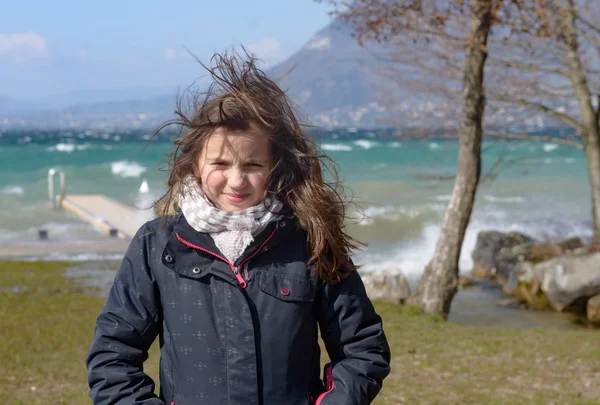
401 185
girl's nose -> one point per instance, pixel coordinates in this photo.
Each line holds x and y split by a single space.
236 178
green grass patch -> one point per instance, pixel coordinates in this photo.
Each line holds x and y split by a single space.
47 322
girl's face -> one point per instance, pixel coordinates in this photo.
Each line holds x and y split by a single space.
233 166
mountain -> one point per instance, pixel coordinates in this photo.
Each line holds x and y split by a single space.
13 106
327 78
331 77
104 96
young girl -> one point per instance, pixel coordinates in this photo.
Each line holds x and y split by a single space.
248 259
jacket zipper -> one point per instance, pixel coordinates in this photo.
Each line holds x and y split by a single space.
329 384
235 269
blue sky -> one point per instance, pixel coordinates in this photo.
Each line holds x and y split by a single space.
53 47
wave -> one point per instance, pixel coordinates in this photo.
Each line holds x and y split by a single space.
336 147
13 190
388 214
68 147
549 147
433 145
125 168
515 199
365 144
62 147
395 144
412 255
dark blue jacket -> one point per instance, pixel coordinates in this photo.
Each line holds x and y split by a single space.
233 333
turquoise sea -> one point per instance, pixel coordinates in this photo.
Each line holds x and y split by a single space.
403 187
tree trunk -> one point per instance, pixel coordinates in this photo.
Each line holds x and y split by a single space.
589 117
440 278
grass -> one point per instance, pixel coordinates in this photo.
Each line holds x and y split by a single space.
47 322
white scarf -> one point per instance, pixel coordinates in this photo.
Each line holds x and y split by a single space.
232 231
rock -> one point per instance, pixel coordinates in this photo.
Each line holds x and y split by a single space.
389 285
509 260
593 309
571 244
565 279
531 296
488 245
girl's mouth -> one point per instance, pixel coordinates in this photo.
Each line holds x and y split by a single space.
237 198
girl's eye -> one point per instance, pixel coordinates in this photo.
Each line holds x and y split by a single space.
255 165
218 164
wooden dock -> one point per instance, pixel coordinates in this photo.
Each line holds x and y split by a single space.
108 216
119 223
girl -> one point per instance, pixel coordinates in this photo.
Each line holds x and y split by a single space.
248 258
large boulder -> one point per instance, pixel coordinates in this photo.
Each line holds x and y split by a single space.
488 245
389 285
593 309
508 259
563 280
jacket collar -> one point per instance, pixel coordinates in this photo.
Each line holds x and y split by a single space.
182 255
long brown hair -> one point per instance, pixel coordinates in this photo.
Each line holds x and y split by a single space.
241 96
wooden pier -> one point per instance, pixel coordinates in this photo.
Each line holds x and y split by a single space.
108 216
117 221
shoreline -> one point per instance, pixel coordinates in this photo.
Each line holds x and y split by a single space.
480 305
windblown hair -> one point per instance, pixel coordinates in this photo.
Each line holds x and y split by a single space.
240 97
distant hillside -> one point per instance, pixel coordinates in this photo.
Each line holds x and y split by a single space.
331 78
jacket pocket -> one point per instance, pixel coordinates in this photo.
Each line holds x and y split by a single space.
329 384
285 287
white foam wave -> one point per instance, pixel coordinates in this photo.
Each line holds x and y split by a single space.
365 144
395 145
125 168
62 147
515 199
446 197
336 147
433 145
549 147
13 190
411 257
392 214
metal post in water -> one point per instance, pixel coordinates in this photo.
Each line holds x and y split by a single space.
63 188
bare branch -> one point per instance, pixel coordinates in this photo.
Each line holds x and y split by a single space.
527 66
588 23
537 138
591 38
567 119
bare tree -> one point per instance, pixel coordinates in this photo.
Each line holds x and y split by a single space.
549 63
544 64
432 24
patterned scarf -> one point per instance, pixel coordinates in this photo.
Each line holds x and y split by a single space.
232 231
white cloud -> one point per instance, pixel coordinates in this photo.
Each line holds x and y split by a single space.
266 49
82 54
22 47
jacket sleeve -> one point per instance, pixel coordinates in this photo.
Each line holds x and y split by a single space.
354 338
125 328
